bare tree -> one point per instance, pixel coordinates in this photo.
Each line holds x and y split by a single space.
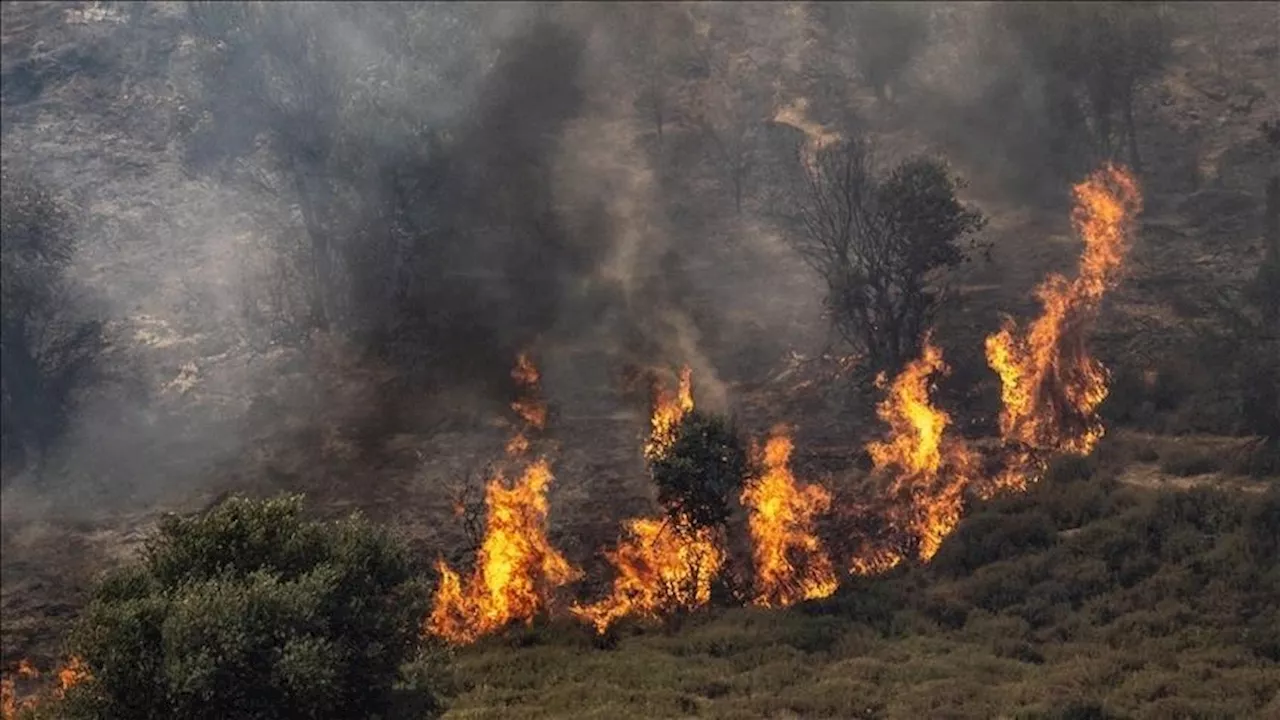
882 244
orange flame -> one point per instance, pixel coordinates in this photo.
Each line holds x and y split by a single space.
781 524
70 675
516 567
528 406
1050 386
9 705
73 673
930 470
668 410
662 567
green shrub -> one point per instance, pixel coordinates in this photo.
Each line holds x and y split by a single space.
1069 469
991 537
251 611
703 471
1183 462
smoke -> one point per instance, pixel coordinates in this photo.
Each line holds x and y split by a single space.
467 181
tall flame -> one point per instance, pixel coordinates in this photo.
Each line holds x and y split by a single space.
1050 386
781 523
930 471
516 567
669 408
662 567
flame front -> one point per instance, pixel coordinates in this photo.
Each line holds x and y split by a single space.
930 471
668 410
781 522
1050 387
662 567
516 567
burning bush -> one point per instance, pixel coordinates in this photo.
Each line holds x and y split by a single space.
251 611
703 470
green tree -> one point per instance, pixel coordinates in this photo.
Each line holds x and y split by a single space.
702 472
252 611
883 243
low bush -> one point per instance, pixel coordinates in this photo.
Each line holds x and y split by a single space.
251 611
1187 462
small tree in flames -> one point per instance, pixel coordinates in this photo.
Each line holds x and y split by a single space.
702 471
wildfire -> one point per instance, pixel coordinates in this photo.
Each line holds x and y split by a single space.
781 523
668 409
930 471
662 567
1050 386
528 406
516 566
69 675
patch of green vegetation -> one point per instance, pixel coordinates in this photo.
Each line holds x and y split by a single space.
1189 462
1080 599
253 611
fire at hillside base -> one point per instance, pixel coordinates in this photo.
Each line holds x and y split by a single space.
925 471
1051 389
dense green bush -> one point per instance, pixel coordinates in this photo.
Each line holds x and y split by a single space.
989 537
252 611
703 472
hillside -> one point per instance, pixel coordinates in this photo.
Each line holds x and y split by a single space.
620 206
